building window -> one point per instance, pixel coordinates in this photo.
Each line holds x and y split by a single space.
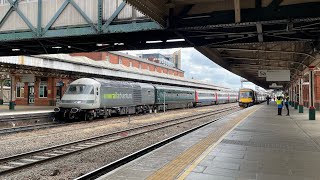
20 90
43 90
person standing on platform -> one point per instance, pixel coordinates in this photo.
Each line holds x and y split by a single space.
287 103
268 99
279 104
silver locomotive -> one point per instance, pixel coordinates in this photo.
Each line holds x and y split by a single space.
88 98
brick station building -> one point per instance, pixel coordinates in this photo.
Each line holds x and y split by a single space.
46 90
305 90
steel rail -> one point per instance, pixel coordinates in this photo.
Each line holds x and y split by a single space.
29 128
23 160
113 165
20 117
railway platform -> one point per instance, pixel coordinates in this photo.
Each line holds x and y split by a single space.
254 143
24 109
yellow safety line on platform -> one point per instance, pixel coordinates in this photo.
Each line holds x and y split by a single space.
176 166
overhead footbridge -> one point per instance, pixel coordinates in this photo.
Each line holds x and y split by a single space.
64 26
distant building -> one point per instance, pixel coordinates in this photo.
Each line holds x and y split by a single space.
127 60
171 60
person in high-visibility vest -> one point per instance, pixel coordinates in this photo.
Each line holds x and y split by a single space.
279 104
286 103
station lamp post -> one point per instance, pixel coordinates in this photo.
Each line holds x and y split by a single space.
300 95
12 94
294 99
312 109
292 94
1 91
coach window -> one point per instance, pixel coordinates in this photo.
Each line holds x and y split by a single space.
20 90
43 89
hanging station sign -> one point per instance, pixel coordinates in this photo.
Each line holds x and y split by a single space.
275 75
29 78
278 75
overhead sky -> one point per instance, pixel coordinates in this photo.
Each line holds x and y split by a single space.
199 67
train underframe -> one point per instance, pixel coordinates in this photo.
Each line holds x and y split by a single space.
74 114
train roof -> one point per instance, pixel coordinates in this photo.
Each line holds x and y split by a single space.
84 81
172 88
246 89
113 83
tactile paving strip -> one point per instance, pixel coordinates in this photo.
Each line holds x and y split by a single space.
175 167
251 130
262 145
255 144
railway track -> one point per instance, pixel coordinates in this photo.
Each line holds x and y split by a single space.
25 122
29 128
20 161
23 117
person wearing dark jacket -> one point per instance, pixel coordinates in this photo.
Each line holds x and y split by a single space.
286 103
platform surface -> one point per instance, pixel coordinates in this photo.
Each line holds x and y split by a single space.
261 146
24 109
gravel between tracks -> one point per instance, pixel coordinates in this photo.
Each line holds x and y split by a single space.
72 166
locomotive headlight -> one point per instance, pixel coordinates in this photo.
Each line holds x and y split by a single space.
77 102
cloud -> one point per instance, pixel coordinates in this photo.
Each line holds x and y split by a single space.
199 67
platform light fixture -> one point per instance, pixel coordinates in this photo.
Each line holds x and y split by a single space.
56 47
101 44
176 40
118 44
152 42
15 49
197 17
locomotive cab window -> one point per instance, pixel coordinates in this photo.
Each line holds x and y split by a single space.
245 94
80 89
